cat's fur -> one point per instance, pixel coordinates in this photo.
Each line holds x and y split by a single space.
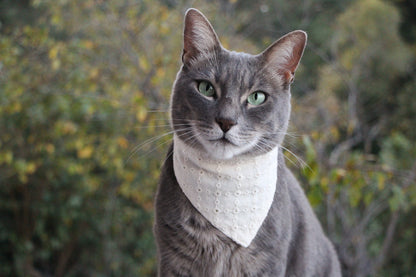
291 241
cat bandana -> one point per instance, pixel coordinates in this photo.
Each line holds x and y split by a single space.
233 195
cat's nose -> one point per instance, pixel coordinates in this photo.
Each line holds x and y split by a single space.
225 123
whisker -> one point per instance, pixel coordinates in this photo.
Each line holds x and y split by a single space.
264 145
191 141
161 126
149 141
159 146
152 126
158 111
186 141
301 162
145 143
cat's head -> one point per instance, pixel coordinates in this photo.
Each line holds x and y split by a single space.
227 103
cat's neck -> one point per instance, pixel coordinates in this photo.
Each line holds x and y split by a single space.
234 195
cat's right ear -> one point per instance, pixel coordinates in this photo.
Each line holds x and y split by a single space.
199 36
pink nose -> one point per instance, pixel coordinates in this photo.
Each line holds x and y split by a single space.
225 123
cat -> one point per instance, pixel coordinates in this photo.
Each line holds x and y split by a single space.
227 205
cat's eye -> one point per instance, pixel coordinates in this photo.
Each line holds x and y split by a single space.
205 88
256 98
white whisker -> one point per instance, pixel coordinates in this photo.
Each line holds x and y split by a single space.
301 162
150 141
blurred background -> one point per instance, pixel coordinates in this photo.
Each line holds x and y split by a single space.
84 126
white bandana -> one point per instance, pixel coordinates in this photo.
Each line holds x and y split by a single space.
233 195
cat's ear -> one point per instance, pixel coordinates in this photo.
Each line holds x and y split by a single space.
199 36
285 54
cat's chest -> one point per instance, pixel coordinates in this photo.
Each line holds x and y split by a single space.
190 236
224 257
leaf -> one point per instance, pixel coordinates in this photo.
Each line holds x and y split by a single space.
141 114
398 199
85 152
123 142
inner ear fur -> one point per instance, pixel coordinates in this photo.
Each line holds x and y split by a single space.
199 36
285 53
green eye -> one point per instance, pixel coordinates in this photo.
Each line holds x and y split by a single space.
206 89
256 98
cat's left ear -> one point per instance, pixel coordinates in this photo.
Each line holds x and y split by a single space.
286 53
199 36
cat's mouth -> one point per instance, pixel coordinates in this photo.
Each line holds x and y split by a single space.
224 148
220 145
223 140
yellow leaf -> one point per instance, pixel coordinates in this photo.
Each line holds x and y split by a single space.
164 29
94 73
56 64
6 157
340 174
69 127
88 44
30 168
85 153
141 114
9 157
50 148
123 142
129 176
53 53
15 107
160 73
334 132
23 178
144 64
56 20
315 135
381 180
324 184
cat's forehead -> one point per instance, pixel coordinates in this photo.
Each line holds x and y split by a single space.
236 69
224 59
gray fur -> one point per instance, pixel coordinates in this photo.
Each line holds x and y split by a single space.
291 241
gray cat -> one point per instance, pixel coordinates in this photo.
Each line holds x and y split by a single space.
215 215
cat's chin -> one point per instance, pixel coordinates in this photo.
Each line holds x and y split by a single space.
223 150
222 155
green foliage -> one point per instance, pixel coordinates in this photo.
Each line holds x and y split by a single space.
359 147
84 89
268 20
75 198
355 201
